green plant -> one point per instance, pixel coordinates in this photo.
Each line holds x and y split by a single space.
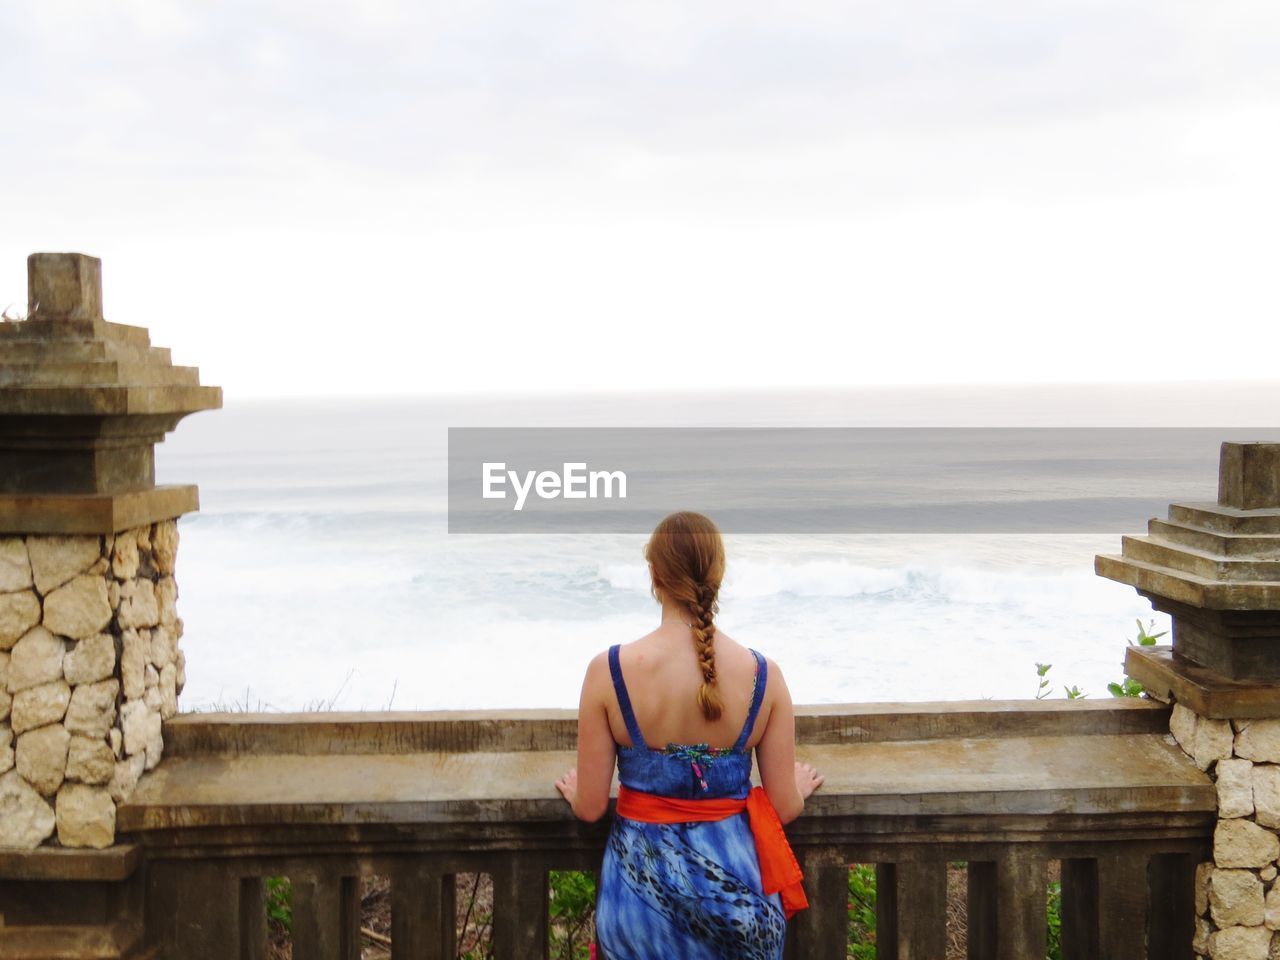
862 911
1129 687
572 908
279 902
1145 637
1053 910
1042 671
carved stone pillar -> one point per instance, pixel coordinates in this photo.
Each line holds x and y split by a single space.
90 663
1215 568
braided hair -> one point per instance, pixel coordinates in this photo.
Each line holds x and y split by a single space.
686 555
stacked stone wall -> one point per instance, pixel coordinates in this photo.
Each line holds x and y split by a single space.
89 667
1237 893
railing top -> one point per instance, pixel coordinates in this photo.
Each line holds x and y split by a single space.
1089 770
463 731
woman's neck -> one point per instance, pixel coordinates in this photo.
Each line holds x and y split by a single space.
673 613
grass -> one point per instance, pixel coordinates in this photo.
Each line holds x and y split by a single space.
247 703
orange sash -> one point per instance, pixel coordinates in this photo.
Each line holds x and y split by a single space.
779 871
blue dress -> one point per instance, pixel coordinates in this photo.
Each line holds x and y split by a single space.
686 891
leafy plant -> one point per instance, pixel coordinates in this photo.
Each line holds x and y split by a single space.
862 911
1042 671
572 907
1053 910
279 902
1129 687
1145 637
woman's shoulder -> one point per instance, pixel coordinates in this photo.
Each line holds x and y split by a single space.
742 649
599 665
727 646
598 669
772 670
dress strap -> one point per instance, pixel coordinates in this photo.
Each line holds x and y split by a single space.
624 701
757 698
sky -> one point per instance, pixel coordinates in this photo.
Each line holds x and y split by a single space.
385 197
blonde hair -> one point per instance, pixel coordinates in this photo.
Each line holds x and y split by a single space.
686 559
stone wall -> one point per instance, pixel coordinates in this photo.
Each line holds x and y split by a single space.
1237 894
89 666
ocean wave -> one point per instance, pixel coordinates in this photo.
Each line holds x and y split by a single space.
753 580
328 521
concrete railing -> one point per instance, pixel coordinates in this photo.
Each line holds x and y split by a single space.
324 799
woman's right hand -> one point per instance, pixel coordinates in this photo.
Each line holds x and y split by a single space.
807 779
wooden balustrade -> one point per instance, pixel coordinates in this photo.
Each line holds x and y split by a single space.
1090 792
1119 898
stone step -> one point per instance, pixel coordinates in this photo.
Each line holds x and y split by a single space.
97 372
1219 519
1168 675
1188 588
28 330
80 351
99 400
61 351
1199 562
131 353
1236 545
100 513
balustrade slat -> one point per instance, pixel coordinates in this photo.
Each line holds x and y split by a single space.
1171 916
822 931
1122 906
352 940
1007 919
326 918
981 906
1021 922
1079 909
253 918
201 904
911 911
520 907
449 915
422 914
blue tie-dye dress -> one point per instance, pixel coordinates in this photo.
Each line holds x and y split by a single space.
686 891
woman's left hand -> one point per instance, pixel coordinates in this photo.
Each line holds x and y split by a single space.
568 785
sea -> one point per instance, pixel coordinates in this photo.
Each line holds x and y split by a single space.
320 573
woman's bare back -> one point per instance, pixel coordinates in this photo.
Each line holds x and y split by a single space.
662 677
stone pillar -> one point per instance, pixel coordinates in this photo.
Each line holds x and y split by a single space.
90 663
1215 568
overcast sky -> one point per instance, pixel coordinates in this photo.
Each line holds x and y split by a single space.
387 197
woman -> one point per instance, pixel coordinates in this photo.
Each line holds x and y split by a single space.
696 865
